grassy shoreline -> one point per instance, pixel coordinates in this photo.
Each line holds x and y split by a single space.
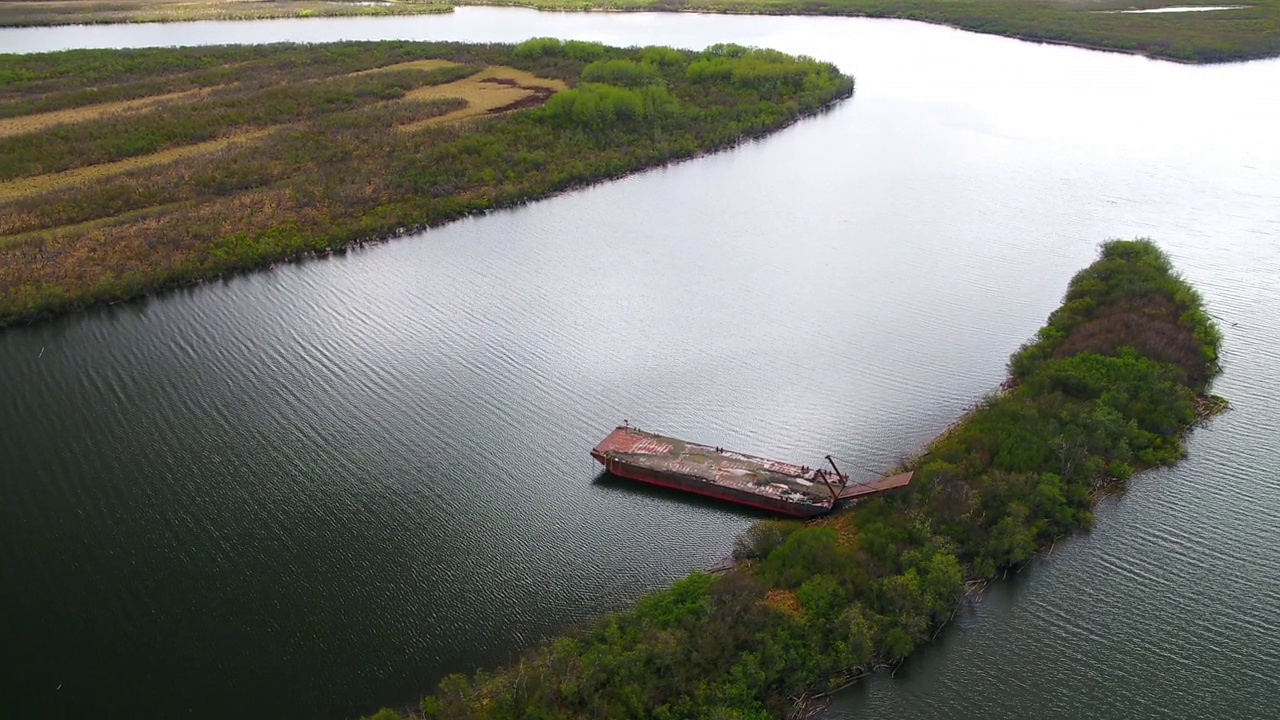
170 166
1249 33
47 13
1109 387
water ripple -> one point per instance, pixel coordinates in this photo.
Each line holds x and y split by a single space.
309 491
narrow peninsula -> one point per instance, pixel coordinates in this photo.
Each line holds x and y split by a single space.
1109 387
123 172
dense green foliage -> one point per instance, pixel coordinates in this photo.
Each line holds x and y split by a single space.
1119 302
318 158
814 605
1250 32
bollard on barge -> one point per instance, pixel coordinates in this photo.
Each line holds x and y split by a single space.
795 490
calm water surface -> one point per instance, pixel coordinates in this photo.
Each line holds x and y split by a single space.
314 490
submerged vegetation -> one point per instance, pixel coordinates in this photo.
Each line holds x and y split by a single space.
123 171
1109 387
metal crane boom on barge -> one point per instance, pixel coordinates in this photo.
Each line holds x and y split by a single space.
796 490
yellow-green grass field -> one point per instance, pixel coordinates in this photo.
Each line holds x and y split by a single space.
126 171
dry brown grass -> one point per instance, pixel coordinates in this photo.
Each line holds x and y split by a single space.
79 254
428 64
1151 325
282 167
84 175
783 600
35 238
23 124
483 94
489 90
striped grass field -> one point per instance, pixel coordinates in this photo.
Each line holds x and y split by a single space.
23 124
481 95
83 176
98 215
123 172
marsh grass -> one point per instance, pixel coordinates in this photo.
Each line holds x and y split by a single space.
489 90
115 137
428 64
1200 37
23 124
18 13
283 151
82 176
1252 31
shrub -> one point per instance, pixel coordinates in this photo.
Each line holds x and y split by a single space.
539 47
621 72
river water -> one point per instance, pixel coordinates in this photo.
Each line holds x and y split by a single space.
310 491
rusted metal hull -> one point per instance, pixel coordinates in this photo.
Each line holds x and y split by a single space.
759 482
701 487
782 487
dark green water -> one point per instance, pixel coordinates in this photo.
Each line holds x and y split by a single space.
314 490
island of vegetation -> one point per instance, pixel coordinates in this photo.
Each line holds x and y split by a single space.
126 171
1109 387
1234 31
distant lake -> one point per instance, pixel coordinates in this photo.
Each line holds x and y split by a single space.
311 491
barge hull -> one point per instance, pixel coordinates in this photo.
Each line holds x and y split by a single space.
700 487
772 485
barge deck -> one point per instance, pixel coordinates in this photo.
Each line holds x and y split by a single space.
796 490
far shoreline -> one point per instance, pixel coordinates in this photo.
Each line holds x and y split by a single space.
1192 38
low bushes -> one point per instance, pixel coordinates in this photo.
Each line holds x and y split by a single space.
815 605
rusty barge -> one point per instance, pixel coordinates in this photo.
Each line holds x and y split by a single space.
796 490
